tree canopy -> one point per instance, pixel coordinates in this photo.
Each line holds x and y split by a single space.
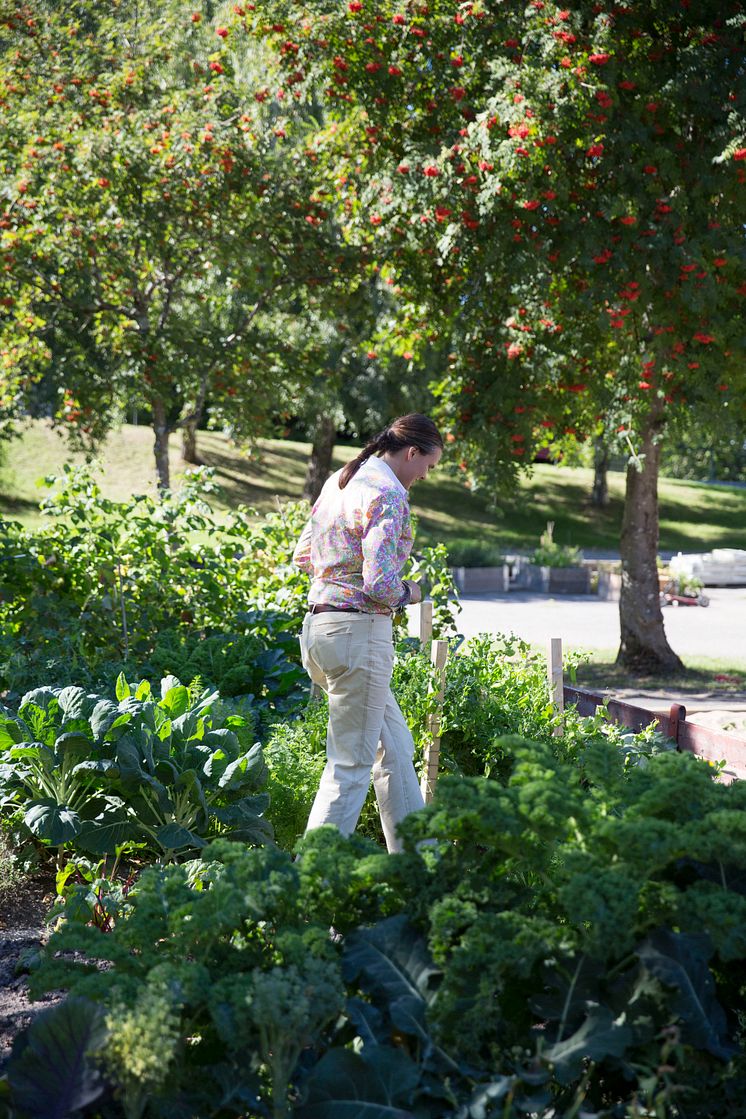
563 188
157 203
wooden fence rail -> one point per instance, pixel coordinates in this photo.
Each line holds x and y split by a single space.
712 745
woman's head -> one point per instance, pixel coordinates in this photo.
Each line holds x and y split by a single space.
411 445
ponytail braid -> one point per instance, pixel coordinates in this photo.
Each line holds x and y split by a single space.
377 444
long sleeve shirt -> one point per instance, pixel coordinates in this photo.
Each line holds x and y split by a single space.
357 541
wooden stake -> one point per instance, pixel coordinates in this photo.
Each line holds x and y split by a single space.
439 656
426 622
554 674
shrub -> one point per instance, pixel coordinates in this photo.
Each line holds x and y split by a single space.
473 553
295 754
102 580
551 554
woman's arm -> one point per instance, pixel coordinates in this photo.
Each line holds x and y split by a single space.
302 553
381 558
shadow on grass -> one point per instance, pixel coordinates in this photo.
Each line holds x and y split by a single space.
607 676
10 506
516 522
254 481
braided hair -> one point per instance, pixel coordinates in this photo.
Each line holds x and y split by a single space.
413 430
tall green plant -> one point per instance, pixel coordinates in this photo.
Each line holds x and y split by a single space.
103 583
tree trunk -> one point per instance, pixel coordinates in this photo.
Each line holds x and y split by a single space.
189 443
600 491
190 421
160 447
320 462
644 647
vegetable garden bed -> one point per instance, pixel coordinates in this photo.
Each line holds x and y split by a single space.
564 933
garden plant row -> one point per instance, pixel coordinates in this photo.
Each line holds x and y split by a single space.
563 935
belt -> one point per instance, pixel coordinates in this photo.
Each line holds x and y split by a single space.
323 608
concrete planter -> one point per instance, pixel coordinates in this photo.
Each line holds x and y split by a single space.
553 580
569 580
481 580
609 585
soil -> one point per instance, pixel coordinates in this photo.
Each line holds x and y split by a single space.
22 913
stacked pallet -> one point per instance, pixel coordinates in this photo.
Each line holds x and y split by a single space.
722 567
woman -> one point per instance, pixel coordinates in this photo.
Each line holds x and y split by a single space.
355 546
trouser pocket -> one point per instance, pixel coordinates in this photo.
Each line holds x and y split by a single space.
329 645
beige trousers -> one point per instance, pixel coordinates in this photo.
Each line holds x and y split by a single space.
351 656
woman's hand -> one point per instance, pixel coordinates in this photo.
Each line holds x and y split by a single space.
415 591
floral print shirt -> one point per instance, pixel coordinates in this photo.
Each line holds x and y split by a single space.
357 541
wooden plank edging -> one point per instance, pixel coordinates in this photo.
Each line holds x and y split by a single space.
711 745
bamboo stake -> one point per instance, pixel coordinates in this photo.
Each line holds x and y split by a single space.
426 622
554 675
438 657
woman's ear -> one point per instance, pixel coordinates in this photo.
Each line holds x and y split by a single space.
411 452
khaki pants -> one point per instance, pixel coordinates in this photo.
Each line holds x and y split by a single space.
351 656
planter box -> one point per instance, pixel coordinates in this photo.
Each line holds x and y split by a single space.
609 585
481 580
553 580
569 580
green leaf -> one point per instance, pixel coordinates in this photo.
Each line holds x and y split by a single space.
176 700
10 733
73 702
97 765
103 835
37 697
481 1105
249 769
51 1075
122 688
391 961
167 683
73 743
344 1086
143 690
598 1037
122 720
55 823
173 837
679 960
103 716
368 1021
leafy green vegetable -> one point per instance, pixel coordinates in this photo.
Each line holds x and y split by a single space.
53 1073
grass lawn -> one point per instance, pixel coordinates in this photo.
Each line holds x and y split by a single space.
693 517
702 674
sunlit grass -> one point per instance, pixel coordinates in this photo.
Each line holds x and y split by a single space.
693 516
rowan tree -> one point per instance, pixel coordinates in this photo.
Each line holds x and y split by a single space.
157 199
563 188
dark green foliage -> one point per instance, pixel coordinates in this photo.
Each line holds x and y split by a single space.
568 934
251 974
53 1072
496 686
295 754
467 552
